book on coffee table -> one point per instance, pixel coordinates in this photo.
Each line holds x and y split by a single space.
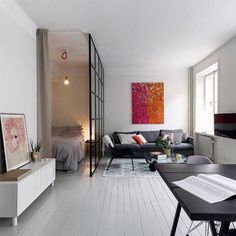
211 188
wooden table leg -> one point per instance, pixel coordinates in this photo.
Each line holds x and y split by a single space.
176 219
224 228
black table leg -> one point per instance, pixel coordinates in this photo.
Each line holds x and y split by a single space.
213 228
224 228
176 219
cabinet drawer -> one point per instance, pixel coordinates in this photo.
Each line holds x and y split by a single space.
28 191
47 175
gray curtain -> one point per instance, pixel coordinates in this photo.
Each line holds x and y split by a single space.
43 93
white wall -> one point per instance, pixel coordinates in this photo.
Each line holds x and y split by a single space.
225 149
70 104
118 108
17 70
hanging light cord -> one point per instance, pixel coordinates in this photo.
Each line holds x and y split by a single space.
64 57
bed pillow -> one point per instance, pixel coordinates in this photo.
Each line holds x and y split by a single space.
58 131
67 131
126 138
139 139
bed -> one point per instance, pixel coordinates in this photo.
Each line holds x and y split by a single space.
68 147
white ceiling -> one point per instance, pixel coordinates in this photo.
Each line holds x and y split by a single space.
142 33
76 45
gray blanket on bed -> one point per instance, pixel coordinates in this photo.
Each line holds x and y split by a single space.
68 151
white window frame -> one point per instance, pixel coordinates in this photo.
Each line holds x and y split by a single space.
201 76
215 102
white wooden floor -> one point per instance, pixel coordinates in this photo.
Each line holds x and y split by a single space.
79 205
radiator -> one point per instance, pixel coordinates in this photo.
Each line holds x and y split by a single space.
205 144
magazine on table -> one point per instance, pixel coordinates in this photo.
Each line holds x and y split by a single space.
210 188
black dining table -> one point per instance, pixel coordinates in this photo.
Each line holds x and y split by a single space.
196 208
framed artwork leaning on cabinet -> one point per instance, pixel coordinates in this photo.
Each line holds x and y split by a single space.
15 140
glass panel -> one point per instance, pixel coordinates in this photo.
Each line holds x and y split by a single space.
92 54
93 157
93 130
100 90
93 105
97 130
93 81
97 107
97 62
97 85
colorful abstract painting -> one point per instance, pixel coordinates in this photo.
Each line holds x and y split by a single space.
15 140
147 103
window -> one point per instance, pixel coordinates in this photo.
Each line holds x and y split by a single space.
206 99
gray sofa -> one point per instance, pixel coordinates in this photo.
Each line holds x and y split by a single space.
186 148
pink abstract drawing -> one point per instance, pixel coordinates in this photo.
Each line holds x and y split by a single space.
147 103
15 140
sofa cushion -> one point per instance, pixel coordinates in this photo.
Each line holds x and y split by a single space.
125 146
185 137
171 131
126 138
139 139
116 138
176 135
150 136
182 146
147 146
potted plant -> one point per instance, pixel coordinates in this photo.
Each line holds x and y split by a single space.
35 151
164 144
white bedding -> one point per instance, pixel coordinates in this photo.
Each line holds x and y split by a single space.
68 151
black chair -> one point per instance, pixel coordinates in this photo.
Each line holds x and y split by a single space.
117 153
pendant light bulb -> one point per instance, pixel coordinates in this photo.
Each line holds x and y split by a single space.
66 81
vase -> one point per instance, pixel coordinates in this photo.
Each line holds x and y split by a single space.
167 151
35 156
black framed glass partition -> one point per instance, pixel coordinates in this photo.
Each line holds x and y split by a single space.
96 99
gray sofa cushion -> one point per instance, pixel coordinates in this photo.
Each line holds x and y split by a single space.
182 146
150 136
171 131
176 134
116 138
147 145
125 146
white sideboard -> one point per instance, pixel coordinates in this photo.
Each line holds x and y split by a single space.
16 196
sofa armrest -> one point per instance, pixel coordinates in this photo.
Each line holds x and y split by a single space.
190 139
112 139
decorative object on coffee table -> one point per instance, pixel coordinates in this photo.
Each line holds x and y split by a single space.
164 143
35 151
147 103
15 141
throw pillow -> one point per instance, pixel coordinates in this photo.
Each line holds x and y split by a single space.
116 137
177 138
166 135
185 137
139 139
126 138
142 138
